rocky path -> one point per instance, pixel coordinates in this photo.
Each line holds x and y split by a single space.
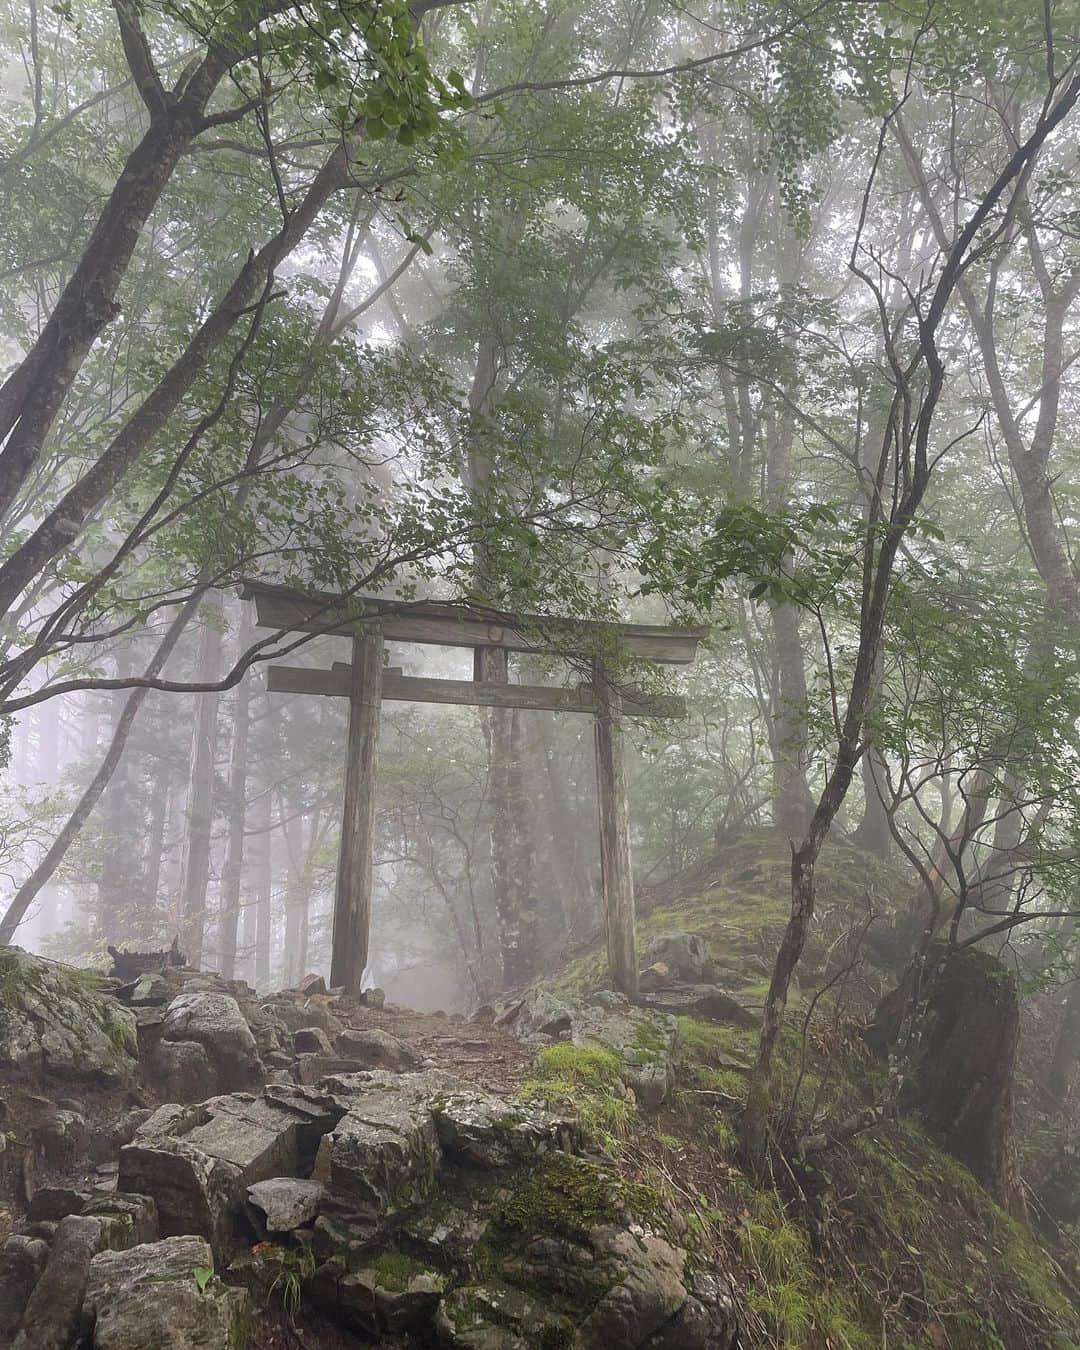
312 1169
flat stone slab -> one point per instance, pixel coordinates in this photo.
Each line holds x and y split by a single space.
287 1202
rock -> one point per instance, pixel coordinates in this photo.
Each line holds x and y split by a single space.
495 1316
295 1015
63 1137
649 1293
309 1069
644 1042
706 1321
654 977
151 989
399 1311
127 1220
963 1082
22 1259
51 1319
215 1022
485 1131
539 1013
53 1021
196 1163
128 1123
56 1202
164 1295
707 1002
287 1202
312 984
686 955
376 1049
373 998
312 1041
383 1153
182 1071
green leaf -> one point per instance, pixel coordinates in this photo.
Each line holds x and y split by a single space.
203 1275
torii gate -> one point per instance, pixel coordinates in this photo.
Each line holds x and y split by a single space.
365 682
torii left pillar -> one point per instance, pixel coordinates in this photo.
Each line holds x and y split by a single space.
355 878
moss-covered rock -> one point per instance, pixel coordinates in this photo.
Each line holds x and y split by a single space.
56 1020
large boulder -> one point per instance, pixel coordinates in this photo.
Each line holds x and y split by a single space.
51 1319
54 1020
197 1162
643 1040
22 1259
214 1021
182 1071
384 1152
164 1295
373 1048
686 956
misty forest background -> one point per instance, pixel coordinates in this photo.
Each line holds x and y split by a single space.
761 315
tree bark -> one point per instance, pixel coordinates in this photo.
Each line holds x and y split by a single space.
200 798
263 865
232 872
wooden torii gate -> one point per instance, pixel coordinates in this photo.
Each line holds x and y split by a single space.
366 682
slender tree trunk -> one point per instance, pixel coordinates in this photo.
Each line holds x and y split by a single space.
232 872
196 868
263 887
118 874
159 814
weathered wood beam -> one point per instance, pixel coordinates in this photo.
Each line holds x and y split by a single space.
615 869
457 626
473 693
355 877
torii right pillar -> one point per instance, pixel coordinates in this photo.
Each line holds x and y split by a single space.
615 871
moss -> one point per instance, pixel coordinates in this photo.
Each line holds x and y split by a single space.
393 1270
563 1194
588 1078
710 1042
587 1064
10 982
650 1042
728 1081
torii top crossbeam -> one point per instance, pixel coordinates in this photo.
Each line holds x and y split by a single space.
451 625
366 682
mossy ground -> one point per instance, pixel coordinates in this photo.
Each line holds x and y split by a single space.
887 1241
585 1079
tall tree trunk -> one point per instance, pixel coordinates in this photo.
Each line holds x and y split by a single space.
200 797
263 866
1062 1070
118 873
232 872
873 832
155 849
